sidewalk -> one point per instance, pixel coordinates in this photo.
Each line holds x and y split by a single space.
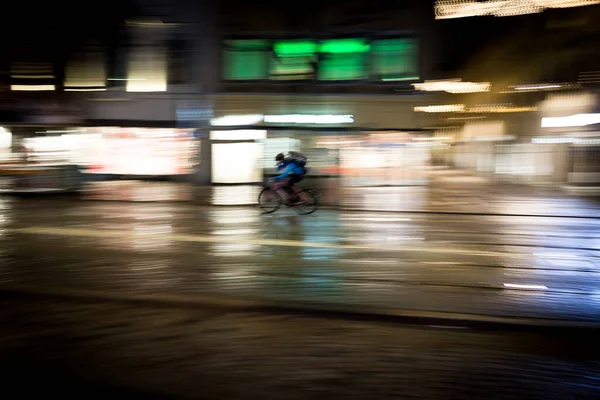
445 193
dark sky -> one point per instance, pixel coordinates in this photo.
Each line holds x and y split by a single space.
54 22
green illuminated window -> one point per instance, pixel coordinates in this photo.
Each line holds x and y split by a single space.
395 59
343 59
293 59
246 59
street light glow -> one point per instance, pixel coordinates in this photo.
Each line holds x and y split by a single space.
448 9
453 86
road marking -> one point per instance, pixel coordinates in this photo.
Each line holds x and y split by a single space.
128 234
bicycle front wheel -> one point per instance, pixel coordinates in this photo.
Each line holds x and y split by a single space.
268 201
311 202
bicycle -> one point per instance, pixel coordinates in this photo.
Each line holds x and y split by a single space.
304 201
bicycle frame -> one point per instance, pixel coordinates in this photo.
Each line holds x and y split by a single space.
296 191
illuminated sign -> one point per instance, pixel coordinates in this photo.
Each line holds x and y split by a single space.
246 59
293 59
237 120
343 59
251 119
395 59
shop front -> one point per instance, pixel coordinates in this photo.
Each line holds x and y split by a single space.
111 151
342 138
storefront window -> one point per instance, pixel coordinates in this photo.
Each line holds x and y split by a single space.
246 59
343 59
395 59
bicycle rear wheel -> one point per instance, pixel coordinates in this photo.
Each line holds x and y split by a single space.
268 201
312 202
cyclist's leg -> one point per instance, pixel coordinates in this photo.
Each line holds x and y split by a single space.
280 188
296 190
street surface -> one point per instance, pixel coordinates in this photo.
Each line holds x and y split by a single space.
458 252
100 350
498 266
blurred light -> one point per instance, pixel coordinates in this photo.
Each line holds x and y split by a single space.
404 78
576 102
309 119
499 108
32 88
542 87
433 138
483 108
239 134
502 138
336 143
237 162
590 141
441 108
532 287
237 120
536 87
157 23
571 120
453 86
446 9
552 140
558 255
589 77
5 138
66 131
344 46
295 48
464 118
85 89
147 68
32 76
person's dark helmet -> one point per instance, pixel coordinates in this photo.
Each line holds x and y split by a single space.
279 157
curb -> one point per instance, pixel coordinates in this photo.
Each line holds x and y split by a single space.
403 316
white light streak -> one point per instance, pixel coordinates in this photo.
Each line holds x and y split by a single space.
237 120
32 88
441 108
571 121
528 287
453 86
309 119
447 9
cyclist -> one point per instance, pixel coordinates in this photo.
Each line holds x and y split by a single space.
292 172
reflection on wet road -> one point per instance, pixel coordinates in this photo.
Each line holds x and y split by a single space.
495 265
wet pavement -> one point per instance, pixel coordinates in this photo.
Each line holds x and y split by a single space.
100 350
500 266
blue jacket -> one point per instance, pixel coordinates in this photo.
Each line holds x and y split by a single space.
290 168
